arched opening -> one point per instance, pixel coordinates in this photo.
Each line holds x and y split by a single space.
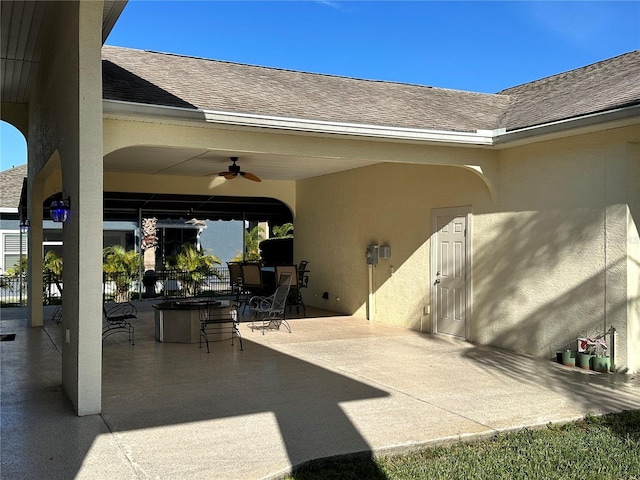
13 148
13 240
217 225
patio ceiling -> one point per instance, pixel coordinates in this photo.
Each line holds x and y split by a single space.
157 160
22 29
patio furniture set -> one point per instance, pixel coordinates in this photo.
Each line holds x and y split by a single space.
197 320
250 279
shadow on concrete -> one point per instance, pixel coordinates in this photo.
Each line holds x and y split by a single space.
154 385
35 414
591 389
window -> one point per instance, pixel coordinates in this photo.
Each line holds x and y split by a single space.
11 249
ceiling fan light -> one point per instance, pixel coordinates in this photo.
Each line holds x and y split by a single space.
234 170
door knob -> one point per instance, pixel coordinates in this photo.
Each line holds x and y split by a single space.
437 281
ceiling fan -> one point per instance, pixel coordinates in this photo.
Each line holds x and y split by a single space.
234 171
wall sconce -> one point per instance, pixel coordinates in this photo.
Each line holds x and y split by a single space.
385 252
24 225
59 210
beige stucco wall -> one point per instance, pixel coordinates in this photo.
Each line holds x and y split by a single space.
338 215
553 257
548 285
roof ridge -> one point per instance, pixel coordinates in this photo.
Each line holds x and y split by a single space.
15 167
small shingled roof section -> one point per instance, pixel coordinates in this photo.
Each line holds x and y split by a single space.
11 186
600 87
175 80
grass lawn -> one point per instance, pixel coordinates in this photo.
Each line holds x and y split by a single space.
605 447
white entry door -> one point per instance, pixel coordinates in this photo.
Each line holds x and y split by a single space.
449 271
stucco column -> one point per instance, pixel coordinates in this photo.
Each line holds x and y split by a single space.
65 154
82 182
633 254
616 253
66 136
34 259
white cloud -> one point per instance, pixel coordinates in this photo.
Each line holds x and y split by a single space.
328 3
580 23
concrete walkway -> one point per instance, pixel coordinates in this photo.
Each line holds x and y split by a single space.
333 386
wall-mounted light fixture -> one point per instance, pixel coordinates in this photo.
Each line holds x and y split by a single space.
24 225
384 252
59 210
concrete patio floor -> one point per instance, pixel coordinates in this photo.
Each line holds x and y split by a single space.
335 385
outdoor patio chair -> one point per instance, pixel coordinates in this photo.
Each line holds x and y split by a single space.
116 318
237 284
218 322
57 314
252 280
295 296
303 278
269 312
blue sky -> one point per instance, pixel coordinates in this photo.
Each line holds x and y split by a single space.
476 46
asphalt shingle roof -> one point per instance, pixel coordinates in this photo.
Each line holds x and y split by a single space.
599 87
175 80
11 186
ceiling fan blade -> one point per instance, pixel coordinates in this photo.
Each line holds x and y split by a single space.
250 176
228 175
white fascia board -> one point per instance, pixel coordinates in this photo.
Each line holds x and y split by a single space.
349 129
8 210
499 137
573 126
176 115
117 109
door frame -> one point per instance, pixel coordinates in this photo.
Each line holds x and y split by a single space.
467 212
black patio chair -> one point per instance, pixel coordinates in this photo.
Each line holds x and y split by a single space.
218 322
252 280
295 296
237 283
117 318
